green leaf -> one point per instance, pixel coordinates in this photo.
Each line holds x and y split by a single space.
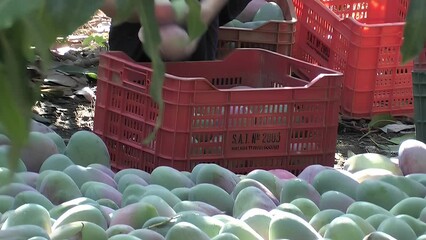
399 140
380 120
152 41
124 9
12 10
414 30
196 28
65 16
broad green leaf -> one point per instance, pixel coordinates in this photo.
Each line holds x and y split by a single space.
16 94
12 10
196 28
414 31
152 41
65 16
399 140
380 120
124 9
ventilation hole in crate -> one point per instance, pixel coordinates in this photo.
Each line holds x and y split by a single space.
116 97
135 104
114 124
318 46
227 81
133 130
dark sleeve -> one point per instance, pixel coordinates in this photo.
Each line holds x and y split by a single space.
231 10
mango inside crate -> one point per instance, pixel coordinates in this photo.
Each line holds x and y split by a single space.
277 120
361 39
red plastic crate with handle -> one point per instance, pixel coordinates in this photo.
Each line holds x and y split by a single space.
361 39
276 36
276 121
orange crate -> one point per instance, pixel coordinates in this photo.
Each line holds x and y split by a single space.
361 39
282 122
276 36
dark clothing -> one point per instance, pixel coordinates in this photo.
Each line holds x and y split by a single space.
124 37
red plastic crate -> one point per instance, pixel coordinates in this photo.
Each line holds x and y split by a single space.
276 36
283 121
361 39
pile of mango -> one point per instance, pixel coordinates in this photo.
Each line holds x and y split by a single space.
68 191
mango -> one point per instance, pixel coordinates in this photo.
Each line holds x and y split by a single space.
223 218
290 208
364 161
29 178
60 209
184 231
209 225
38 148
370 173
343 228
290 226
326 181
366 209
324 217
247 182
140 173
123 237
213 195
58 187
240 229
132 194
250 10
13 189
307 206
266 178
98 190
25 231
251 197
376 219
119 229
298 188
225 236
376 235
162 192
411 156
85 147
259 220
105 169
335 200
182 193
83 212
81 175
163 208
308 173
79 230
397 228
363 224
128 180
4 160
417 225
159 224
144 233
58 140
134 215
269 11
411 206
29 214
218 176
108 203
380 193
32 197
418 177
282 174
170 178
407 185
197 206
56 162
7 203
7 177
